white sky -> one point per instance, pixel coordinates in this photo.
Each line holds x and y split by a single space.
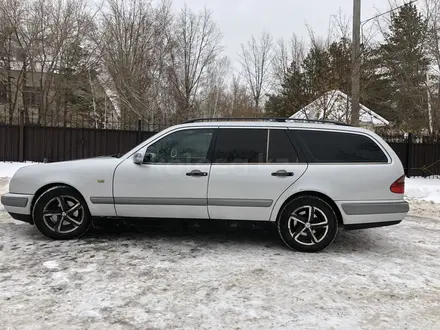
239 19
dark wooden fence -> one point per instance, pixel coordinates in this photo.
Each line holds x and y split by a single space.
420 155
59 143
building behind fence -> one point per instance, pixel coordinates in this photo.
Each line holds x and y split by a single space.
420 156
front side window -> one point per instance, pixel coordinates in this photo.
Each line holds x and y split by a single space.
241 146
182 147
337 147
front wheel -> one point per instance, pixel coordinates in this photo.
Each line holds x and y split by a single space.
307 224
61 213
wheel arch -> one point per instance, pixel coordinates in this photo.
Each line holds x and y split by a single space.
314 194
48 186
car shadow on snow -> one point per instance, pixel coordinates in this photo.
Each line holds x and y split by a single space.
206 232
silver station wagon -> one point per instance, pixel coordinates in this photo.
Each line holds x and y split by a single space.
309 178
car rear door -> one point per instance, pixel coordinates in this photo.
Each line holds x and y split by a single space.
251 168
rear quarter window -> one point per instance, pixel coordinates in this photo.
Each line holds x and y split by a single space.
338 147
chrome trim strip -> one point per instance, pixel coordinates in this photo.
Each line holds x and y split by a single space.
160 201
182 201
240 202
14 201
375 208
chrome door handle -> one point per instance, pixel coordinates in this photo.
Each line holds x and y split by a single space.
282 173
196 173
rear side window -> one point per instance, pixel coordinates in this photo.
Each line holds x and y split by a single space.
336 147
281 149
237 145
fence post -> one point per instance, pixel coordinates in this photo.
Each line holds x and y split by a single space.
21 137
139 132
409 158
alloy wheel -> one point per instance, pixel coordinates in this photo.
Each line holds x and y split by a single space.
63 214
308 225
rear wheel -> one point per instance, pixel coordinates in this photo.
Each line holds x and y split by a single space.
61 213
307 224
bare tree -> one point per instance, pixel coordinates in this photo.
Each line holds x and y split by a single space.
432 13
196 46
214 97
60 52
285 53
15 50
134 43
242 103
44 38
256 61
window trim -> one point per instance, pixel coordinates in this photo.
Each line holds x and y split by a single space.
209 155
310 159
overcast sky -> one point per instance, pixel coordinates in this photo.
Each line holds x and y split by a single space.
239 19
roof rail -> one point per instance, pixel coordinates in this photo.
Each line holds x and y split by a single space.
274 119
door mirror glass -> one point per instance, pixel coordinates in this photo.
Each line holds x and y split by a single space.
138 158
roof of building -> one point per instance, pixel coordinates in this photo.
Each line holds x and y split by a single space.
335 105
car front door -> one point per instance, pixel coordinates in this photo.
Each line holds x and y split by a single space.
251 169
172 180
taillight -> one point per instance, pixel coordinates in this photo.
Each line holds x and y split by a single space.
398 186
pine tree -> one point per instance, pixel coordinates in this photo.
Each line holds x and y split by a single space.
340 65
404 66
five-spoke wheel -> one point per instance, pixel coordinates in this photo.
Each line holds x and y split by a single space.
307 224
61 213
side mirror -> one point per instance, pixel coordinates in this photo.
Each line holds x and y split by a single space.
138 158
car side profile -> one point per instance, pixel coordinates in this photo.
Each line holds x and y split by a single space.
310 178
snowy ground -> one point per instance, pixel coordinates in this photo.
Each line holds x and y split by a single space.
222 279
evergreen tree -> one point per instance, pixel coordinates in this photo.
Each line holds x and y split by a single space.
340 65
375 86
404 67
323 69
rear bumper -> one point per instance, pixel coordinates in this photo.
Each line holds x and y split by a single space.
360 215
18 206
375 208
371 225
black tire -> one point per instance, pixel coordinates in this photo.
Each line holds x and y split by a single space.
61 213
303 233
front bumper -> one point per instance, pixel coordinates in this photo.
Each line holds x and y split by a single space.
18 206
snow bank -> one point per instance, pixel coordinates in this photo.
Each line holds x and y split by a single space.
425 189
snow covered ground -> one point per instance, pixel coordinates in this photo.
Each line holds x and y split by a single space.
224 279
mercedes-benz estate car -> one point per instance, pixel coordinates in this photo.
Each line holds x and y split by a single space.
308 178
